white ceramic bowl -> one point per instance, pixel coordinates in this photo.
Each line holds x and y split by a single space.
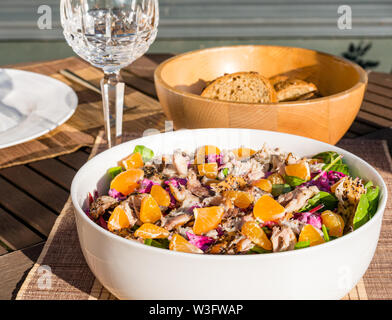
131 270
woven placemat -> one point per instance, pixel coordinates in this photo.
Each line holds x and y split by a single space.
81 129
71 278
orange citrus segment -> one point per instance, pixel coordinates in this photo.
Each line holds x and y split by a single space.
149 210
263 184
256 234
126 182
300 170
334 222
243 153
210 170
309 233
241 199
179 243
204 151
268 209
151 231
207 219
118 219
135 161
160 195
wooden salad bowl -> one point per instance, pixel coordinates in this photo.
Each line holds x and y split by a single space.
180 80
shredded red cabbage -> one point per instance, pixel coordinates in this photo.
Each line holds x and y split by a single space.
326 180
146 185
116 195
202 242
310 218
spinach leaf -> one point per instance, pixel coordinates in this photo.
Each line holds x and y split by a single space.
160 243
373 195
343 168
327 156
225 171
302 244
278 189
330 156
293 181
327 199
257 249
112 172
146 153
361 215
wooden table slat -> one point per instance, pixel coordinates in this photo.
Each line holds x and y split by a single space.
26 208
378 110
48 193
144 85
381 79
56 171
14 267
361 128
14 234
75 160
378 89
379 100
373 119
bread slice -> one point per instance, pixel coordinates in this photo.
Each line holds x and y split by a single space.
293 89
249 87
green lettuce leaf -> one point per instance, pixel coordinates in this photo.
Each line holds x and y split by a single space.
112 172
373 195
146 153
327 199
361 215
293 181
278 189
302 244
328 157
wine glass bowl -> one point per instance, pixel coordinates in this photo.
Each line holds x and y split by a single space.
110 34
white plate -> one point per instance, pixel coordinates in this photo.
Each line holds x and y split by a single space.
32 105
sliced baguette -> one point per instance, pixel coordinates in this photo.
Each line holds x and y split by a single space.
249 87
293 89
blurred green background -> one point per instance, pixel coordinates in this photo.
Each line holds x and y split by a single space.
188 24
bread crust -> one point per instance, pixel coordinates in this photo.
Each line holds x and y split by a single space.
294 89
248 87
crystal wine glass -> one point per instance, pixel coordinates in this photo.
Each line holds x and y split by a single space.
110 34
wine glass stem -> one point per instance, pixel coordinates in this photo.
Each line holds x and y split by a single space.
113 101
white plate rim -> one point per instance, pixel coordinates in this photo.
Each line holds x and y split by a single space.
49 128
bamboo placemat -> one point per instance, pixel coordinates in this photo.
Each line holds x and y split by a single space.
72 279
81 129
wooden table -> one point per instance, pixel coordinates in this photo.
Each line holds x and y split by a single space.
32 195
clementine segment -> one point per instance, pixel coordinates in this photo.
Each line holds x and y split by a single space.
241 199
126 182
210 170
151 231
243 153
334 222
263 184
207 219
118 220
256 234
160 195
268 209
300 170
149 210
134 161
204 151
179 243
309 233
